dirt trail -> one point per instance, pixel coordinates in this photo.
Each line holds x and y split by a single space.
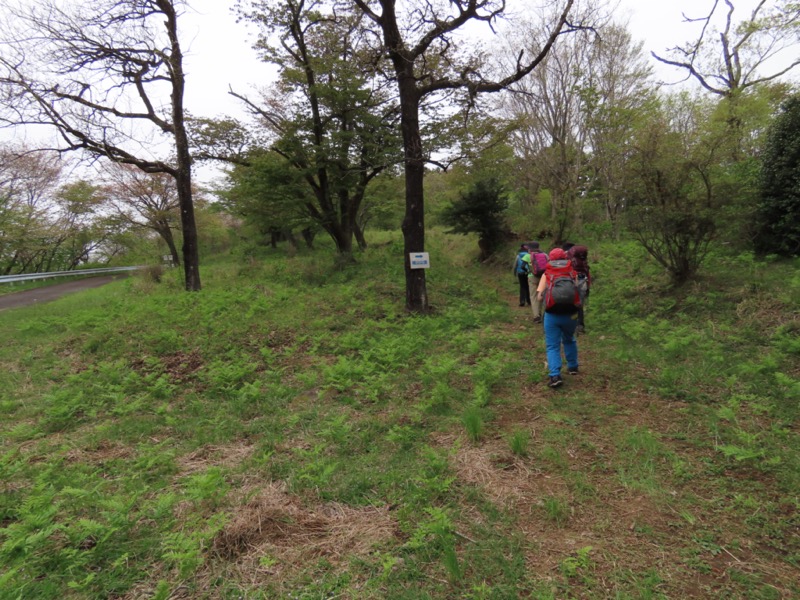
576 461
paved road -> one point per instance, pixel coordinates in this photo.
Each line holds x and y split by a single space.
54 292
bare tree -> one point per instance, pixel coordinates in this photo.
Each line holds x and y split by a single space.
142 200
28 182
551 133
577 115
729 60
616 96
108 76
739 56
79 223
426 61
45 222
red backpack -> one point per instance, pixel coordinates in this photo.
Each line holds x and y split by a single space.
561 294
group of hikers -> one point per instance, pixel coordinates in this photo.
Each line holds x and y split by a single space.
556 286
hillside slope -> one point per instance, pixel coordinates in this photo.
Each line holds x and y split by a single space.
289 432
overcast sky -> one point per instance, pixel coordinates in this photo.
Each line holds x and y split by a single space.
219 51
219 54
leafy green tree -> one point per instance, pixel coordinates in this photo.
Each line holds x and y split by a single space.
672 196
480 210
271 197
429 62
383 203
480 151
329 119
778 215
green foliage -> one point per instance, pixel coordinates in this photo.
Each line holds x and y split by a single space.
473 422
778 218
480 210
519 442
673 201
334 131
152 443
556 510
438 531
384 203
577 565
268 193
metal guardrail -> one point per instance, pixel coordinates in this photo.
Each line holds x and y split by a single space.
77 273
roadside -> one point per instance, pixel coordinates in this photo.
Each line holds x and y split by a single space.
54 292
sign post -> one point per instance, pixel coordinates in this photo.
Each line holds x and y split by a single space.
419 260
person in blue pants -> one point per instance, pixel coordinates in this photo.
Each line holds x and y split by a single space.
560 317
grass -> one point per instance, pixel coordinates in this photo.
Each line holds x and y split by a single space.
290 432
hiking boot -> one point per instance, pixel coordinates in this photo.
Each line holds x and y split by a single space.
537 319
555 381
573 370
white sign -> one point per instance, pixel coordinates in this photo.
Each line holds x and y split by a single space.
419 260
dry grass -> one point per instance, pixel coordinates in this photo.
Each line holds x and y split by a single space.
274 534
230 455
104 451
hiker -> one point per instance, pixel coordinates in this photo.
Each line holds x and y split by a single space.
521 270
537 261
579 257
559 291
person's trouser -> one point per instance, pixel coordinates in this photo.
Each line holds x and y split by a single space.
558 330
536 306
583 290
524 291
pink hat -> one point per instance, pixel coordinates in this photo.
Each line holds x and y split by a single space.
557 254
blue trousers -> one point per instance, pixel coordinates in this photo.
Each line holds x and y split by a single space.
558 330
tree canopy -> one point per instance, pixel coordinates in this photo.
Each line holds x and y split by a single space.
778 216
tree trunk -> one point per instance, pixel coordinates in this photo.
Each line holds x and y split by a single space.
289 236
360 239
414 220
308 236
165 231
403 61
11 264
342 236
191 253
183 171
